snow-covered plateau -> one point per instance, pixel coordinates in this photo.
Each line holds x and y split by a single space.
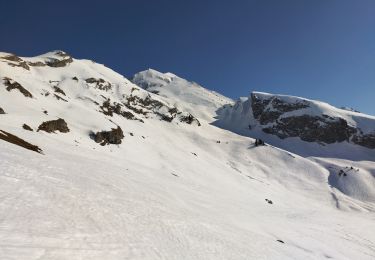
96 166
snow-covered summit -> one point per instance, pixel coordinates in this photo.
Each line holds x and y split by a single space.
188 95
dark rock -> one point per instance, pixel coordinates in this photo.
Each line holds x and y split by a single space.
59 90
75 78
60 98
189 119
259 142
258 105
148 105
94 80
99 83
56 63
164 117
129 115
323 129
109 137
269 110
282 106
2 111
173 111
280 241
22 64
135 110
16 61
36 64
312 129
149 102
109 109
54 81
16 85
54 125
62 54
8 137
366 140
26 127
12 57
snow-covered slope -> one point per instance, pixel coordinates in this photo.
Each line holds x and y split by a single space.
189 96
176 187
303 126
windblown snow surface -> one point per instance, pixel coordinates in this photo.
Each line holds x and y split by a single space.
170 190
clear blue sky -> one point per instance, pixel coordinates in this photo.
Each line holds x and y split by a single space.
320 49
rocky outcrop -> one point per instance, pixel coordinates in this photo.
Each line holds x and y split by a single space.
99 83
283 117
60 98
312 129
10 84
8 137
114 136
59 90
26 127
109 109
268 110
12 57
16 61
146 105
36 64
366 140
63 60
54 125
189 119
2 112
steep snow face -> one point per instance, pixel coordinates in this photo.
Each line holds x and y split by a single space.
306 127
169 185
189 96
96 92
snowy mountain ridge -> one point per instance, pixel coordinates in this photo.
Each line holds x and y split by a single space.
94 166
191 96
303 126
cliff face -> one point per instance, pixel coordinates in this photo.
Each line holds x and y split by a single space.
297 117
303 126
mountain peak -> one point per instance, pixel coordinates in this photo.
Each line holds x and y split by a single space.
282 119
151 78
185 94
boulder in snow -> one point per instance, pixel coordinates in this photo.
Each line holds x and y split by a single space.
113 136
54 125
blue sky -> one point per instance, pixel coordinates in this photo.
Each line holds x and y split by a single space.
319 49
